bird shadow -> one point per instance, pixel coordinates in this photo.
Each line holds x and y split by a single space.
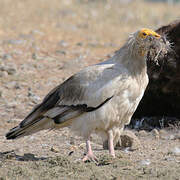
26 157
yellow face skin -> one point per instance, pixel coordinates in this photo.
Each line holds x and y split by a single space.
143 33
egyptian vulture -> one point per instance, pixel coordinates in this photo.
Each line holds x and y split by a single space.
100 98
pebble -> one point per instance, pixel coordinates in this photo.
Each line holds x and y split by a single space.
169 158
11 71
93 44
127 150
36 31
15 41
3 74
110 44
76 64
61 52
34 98
162 132
13 85
6 57
31 138
168 137
13 104
142 133
79 44
44 146
155 132
175 151
72 141
110 55
2 67
54 149
129 140
177 136
13 120
63 43
145 162
10 68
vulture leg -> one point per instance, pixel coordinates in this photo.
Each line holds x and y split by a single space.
110 144
89 156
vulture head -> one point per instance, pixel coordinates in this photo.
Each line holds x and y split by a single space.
149 44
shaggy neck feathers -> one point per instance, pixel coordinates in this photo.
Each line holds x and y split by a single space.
132 56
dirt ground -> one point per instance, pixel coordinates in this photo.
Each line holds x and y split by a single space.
42 43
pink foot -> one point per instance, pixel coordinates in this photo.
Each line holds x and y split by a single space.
90 157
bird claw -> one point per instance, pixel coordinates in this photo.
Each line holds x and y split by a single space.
90 157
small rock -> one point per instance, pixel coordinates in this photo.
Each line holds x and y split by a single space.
6 57
177 136
54 149
11 71
127 150
168 137
82 145
175 151
63 43
36 31
9 68
155 132
34 56
15 41
17 52
44 146
2 67
93 44
73 148
142 133
12 105
110 55
31 138
76 64
13 85
3 74
72 142
13 120
79 44
34 98
145 162
169 158
61 52
129 139
162 132
105 160
110 44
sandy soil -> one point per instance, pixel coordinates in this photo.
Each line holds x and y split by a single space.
41 44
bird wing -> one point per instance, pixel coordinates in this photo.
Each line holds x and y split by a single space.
83 92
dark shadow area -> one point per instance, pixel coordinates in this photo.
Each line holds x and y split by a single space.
26 157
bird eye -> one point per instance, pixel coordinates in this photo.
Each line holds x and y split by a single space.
144 34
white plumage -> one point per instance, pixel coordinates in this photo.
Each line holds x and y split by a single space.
100 98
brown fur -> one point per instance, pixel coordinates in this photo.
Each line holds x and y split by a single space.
162 97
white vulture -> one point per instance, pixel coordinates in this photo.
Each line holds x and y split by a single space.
100 98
